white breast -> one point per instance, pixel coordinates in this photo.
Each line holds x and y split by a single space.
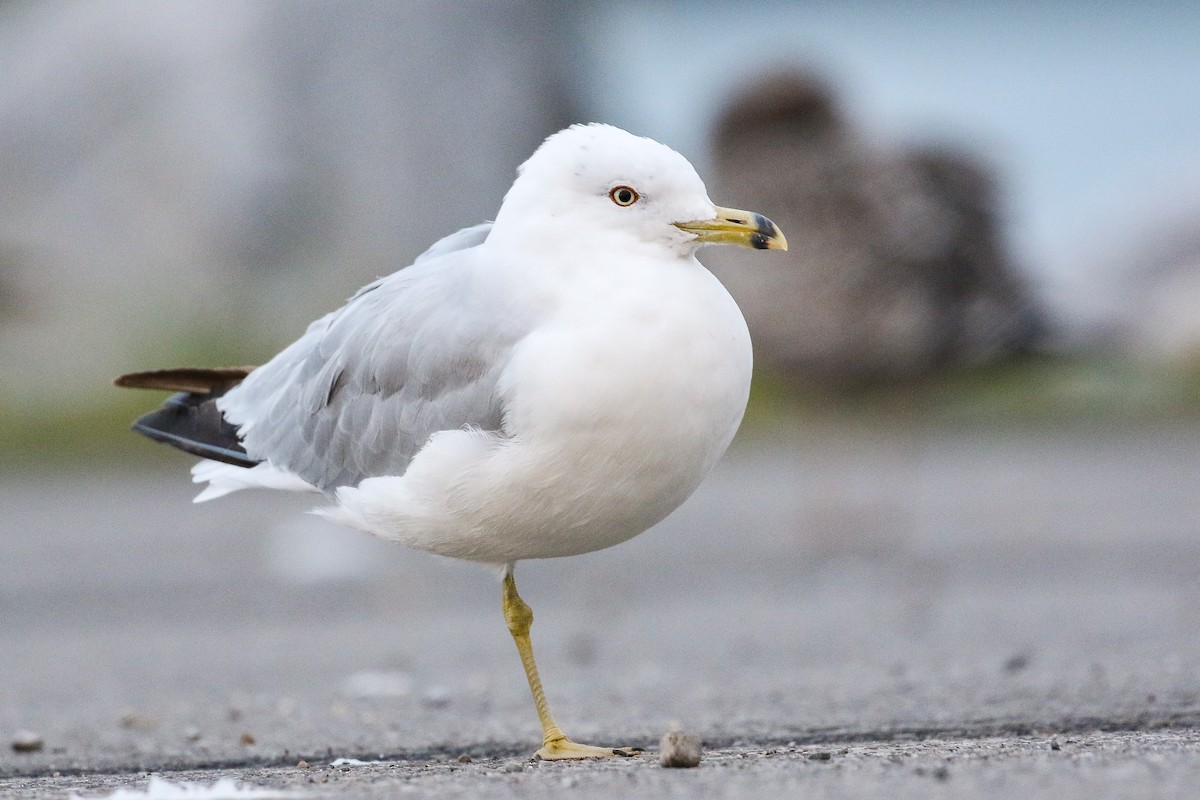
617 408
624 402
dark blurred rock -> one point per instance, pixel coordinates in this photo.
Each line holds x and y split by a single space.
896 266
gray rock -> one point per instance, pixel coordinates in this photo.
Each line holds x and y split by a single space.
679 749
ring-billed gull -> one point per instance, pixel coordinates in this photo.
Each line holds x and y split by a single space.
549 384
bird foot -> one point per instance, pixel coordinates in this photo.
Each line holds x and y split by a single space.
561 749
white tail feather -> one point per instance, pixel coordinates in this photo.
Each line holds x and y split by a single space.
225 478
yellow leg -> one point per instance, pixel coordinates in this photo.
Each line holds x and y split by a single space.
555 744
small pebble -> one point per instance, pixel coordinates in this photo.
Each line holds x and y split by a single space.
465 759
1054 745
820 755
302 764
27 742
136 721
247 738
679 749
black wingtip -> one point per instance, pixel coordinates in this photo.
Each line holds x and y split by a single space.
192 423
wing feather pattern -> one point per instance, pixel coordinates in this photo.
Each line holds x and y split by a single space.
417 352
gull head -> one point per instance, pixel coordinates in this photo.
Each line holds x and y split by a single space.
596 185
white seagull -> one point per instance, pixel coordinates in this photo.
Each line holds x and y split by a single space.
549 384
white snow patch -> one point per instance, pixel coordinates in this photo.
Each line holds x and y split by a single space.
160 789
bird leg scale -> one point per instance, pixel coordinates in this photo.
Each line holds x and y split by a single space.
555 744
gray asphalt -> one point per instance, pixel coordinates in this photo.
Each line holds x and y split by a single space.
841 611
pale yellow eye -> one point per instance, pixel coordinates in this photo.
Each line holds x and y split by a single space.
623 195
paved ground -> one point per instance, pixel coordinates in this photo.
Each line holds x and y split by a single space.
845 612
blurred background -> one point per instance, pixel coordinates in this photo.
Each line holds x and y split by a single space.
962 185
980 358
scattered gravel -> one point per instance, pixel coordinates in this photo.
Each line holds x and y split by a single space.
975 615
1150 764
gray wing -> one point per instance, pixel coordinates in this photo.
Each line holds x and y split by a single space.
363 389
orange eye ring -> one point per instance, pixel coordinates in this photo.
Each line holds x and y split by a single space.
623 196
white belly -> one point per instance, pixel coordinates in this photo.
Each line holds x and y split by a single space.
617 409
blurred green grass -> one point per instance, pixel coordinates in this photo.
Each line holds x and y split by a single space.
92 427
1034 391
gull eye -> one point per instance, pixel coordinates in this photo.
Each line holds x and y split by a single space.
623 195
